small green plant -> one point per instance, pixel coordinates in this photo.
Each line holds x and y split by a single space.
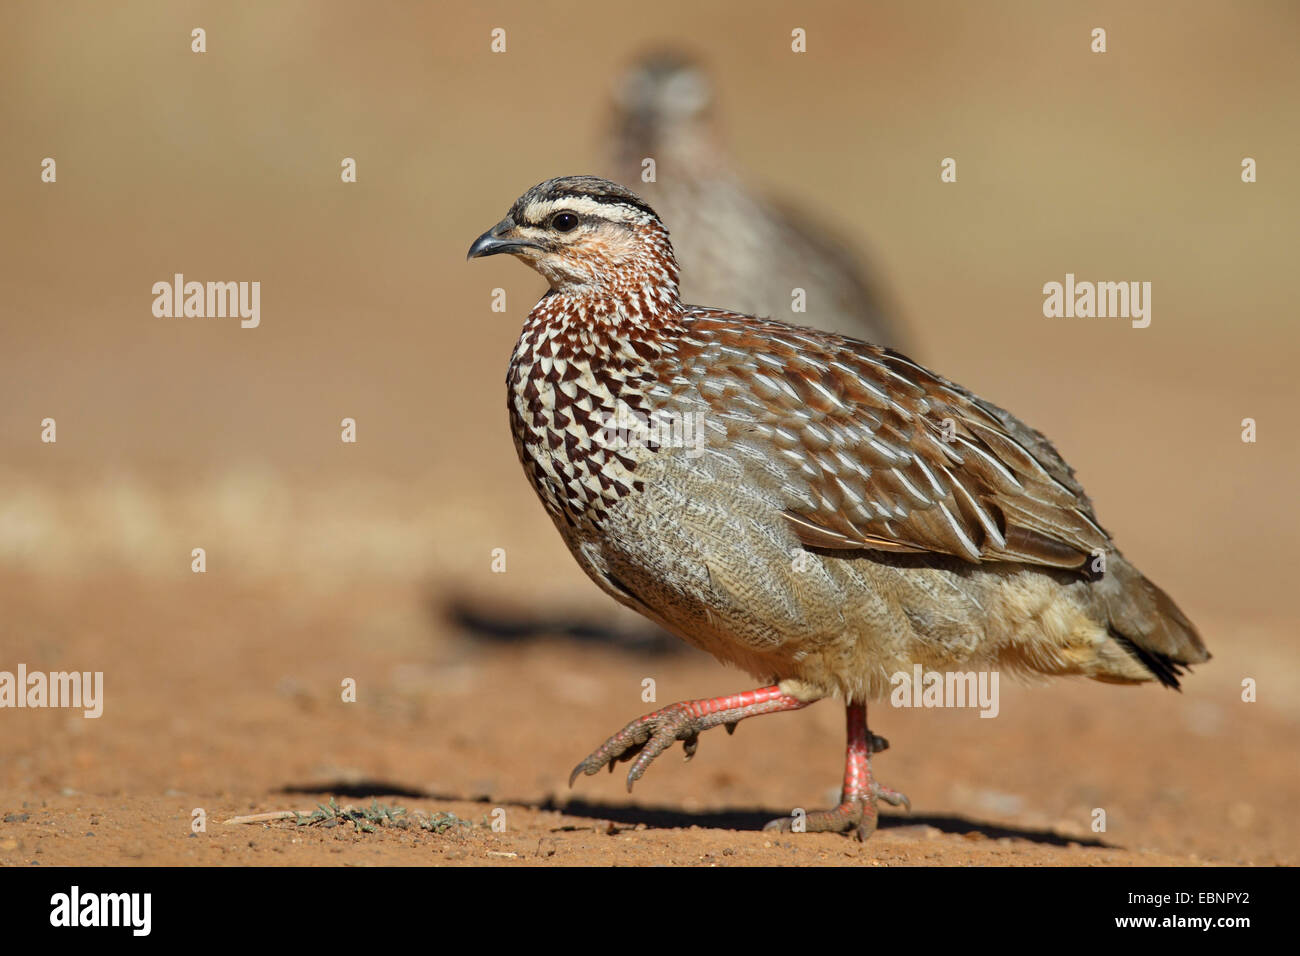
440 822
363 819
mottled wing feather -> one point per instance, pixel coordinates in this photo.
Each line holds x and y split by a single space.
875 452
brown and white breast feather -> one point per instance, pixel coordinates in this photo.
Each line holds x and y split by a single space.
570 377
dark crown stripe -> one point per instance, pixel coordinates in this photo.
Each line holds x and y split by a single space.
608 200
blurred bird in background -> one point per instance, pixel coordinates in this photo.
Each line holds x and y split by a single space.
735 245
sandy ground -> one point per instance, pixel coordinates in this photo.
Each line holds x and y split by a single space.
329 563
249 719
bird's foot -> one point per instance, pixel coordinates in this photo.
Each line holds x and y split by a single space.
647 737
860 793
856 812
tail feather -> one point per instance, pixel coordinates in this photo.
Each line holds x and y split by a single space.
1146 622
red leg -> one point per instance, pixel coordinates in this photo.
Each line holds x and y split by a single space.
860 792
649 736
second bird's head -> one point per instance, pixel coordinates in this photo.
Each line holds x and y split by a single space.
586 236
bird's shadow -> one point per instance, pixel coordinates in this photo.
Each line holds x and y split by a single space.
673 818
501 626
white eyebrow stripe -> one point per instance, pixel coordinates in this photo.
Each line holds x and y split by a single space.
540 211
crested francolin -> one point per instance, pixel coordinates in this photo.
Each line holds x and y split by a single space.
822 512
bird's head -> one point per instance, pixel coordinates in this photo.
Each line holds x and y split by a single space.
663 107
664 88
588 237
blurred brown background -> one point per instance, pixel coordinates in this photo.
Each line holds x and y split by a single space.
328 560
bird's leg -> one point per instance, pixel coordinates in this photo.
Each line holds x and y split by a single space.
860 792
649 736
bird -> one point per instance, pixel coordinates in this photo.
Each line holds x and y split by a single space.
819 511
665 110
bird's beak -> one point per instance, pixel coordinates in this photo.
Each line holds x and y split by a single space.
498 239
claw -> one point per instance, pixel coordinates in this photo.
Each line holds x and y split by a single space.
892 797
690 745
647 737
866 827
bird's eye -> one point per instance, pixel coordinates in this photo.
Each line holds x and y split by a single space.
564 222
